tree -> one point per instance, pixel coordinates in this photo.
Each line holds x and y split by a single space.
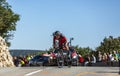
109 44
83 51
8 21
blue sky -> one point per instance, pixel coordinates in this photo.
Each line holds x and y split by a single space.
88 21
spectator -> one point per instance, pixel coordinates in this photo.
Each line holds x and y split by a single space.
87 60
16 61
104 58
28 57
93 59
99 57
81 60
22 63
116 55
25 60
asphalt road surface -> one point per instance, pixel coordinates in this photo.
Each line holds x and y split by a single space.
55 71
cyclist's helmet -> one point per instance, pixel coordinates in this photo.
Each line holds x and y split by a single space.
56 33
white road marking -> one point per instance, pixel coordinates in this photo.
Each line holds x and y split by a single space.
31 73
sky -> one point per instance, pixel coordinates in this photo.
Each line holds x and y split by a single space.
87 21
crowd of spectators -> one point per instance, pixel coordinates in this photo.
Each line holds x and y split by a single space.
21 61
107 59
88 60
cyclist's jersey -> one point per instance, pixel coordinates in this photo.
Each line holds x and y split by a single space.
60 42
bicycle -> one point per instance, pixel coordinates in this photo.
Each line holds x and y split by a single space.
60 58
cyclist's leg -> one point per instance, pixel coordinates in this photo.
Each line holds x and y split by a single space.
69 54
69 59
60 60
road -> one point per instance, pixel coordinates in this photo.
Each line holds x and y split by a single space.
55 71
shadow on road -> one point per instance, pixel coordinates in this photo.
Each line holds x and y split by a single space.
105 72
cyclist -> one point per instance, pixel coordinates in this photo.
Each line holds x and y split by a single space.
60 41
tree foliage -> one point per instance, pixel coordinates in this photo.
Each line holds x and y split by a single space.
83 50
8 21
109 44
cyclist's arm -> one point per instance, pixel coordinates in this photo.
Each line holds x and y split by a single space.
54 45
66 45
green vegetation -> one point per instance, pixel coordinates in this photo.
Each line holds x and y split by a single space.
83 50
109 44
8 21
